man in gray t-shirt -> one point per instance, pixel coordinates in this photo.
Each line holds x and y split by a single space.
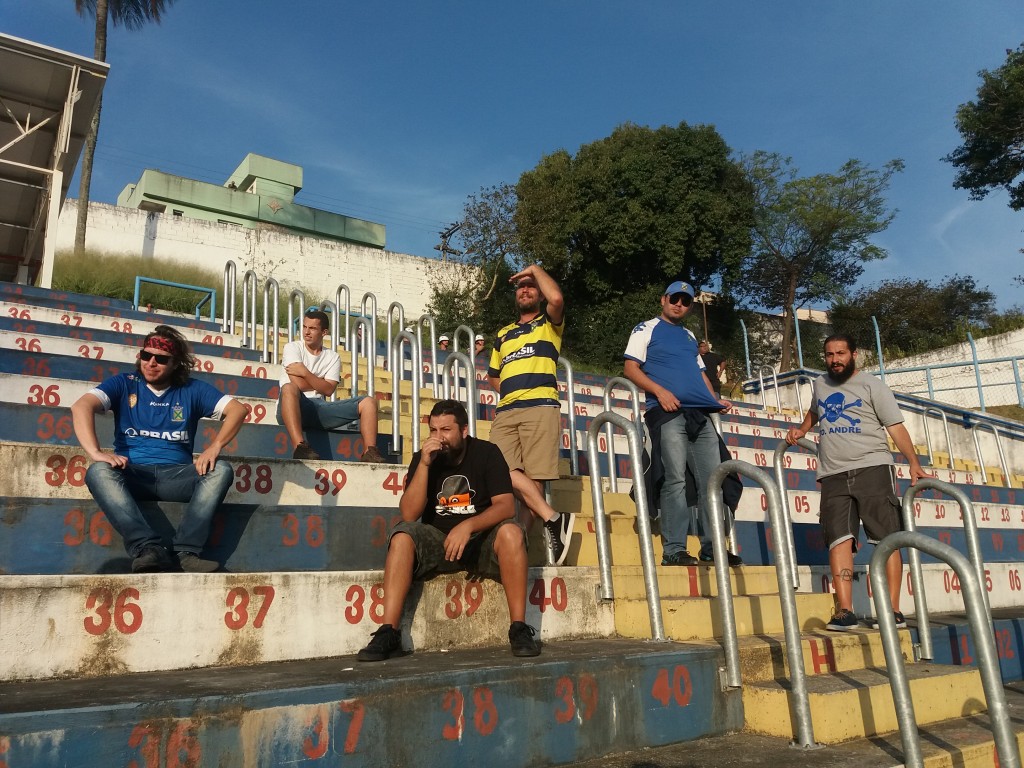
854 412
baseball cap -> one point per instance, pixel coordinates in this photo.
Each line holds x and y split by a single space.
679 287
442 337
478 337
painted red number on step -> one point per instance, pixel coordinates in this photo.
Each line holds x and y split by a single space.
73 471
585 692
356 599
182 745
392 484
678 689
107 609
472 594
557 597
238 603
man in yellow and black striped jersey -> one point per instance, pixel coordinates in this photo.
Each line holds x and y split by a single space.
527 426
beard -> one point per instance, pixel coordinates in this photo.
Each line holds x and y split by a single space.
843 374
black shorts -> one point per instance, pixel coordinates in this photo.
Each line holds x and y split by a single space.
478 557
866 495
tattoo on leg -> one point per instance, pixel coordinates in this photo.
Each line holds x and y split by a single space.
846 575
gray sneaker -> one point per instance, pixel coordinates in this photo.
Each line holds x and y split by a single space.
152 559
190 562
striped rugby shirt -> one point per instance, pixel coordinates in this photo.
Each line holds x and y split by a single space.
525 358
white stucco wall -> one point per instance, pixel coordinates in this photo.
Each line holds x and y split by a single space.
294 261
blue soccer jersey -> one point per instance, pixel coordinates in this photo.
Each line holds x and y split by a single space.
152 428
667 353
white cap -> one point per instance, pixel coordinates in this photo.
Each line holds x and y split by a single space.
442 337
479 337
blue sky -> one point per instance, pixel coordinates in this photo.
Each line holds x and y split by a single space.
398 111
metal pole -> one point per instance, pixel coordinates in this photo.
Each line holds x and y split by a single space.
715 513
878 347
267 344
981 629
570 391
397 374
343 289
451 364
227 324
401 327
977 372
799 346
619 381
435 381
786 531
746 347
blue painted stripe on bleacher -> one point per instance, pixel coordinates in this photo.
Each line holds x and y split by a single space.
31 292
954 644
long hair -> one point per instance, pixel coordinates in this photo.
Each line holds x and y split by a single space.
181 353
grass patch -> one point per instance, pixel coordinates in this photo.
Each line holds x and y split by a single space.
1012 412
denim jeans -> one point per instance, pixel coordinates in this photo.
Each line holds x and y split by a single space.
118 492
703 457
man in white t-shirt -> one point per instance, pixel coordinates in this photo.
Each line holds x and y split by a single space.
310 375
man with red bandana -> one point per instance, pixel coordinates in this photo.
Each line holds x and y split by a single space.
156 415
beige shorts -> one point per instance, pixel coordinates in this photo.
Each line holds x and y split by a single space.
529 439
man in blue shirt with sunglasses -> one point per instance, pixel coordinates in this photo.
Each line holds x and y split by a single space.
156 410
662 359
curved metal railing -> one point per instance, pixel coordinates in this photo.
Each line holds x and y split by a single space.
999 447
370 302
980 620
570 396
394 305
785 533
435 383
343 338
227 324
371 357
775 386
928 434
249 280
619 381
453 360
397 373
270 341
295 294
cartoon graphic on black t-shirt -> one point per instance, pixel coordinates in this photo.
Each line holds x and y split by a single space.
455 497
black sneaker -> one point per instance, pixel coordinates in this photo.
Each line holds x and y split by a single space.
303 451
520 635
707 555
152 559
557 534
190 562
842 621
679 558
901 622
386 642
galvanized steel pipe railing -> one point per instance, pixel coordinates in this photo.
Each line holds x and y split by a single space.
470 333
394 305
295 294
227 324
333 315
371 358
999 447
397 374
249 280
643 520
343 338
785 533
928 434
775 385
980 620
454 360
619 381
570 393
435 384
916 576
270 341
716 512
370 301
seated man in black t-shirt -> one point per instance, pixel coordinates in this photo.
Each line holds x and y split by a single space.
458 514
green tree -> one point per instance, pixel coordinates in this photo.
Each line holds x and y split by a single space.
131 14
992 128
811 235
915 315
625 216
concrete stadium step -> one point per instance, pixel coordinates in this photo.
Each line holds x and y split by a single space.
96 329
578 700
953 641
693 581
27 309
699 618
29 293
858 703
93 626
25 423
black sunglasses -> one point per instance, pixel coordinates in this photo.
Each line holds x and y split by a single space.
145 357
681 298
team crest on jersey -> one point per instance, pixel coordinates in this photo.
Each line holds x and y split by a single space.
177 412
132 400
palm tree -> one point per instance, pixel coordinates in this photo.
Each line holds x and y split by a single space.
130 14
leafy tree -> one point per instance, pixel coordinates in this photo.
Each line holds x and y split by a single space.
811 235
625 216
992 128
915 315
130 14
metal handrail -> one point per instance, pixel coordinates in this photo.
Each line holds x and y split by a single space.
249 280
266 357
372 317
295 294
371 358
570 393
333 315
619 381
460 358
916 576
928 434
980 620
786 531
775 385
429 320
643 520
999 447
470 333
227 323
392 361
397 374
343 339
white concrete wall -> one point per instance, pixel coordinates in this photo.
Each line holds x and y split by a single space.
294 261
